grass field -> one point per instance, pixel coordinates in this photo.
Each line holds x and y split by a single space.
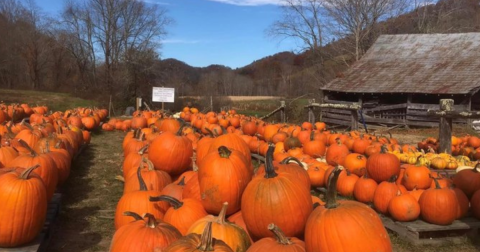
54 101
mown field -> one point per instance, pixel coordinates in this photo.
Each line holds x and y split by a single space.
91 193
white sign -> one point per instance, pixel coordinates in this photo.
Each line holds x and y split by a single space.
162 94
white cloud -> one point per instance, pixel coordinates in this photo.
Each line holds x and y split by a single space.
250 2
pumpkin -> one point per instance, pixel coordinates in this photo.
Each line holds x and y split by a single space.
7 154
195 242
382 166
360 145
336 153
237 218
384 193
280 243
171 153
192 189
468 180
231 234
155 180
346 184
271 198
168 125
364 189
144 234
316 174
325 230
291 165
439 205
132 161
223 175
356 164
314 148
233 142
137 201
404 207
24 207
416 177
47 169
475 202
182 214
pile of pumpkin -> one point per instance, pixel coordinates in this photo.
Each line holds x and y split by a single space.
35 159
276 196
142 119
465 146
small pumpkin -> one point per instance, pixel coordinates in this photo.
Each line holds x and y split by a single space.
281 243
404 207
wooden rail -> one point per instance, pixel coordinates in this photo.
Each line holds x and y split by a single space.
280 109
346 113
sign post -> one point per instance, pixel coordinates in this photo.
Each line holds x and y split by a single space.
163 94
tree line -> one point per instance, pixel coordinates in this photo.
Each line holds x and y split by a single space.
99 48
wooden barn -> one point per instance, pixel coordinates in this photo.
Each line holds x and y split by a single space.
402 76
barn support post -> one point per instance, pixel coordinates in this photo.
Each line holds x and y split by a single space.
282 111
354 125
311 114
445 127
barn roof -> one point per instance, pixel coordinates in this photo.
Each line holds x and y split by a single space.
416 63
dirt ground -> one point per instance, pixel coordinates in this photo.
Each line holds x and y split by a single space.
90 196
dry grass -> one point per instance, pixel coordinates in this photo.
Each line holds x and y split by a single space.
90 197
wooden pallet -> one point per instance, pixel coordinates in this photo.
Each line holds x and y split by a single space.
419 232
40 243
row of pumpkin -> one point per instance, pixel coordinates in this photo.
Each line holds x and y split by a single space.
34 160
466 146
276 196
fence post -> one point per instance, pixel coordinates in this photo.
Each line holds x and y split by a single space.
282 111
311 115
445 127
354 125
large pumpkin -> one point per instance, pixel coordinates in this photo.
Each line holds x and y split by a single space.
223 176
144 234
416 177
155 180
270 199
138 202
468 180
439 205
382 166
171 153
404 207
182 214
24 207
326 228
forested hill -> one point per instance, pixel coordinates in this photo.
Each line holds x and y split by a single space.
37 53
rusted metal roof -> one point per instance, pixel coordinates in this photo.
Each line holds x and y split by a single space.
416 63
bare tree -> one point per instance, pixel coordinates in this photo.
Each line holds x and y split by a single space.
357 19
302 20
120 32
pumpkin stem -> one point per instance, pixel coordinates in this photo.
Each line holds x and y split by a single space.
136 133
393 179
221 216
149 163
269 168
142 150
182 181
288 159
151 222
175 203
136 216
437 185
26 173
312 135
26 146
141 182
210 132
206 239
338 141
180 130
475 169
279 235
224 152
331 199
384 149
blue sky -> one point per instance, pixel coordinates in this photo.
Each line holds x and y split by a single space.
225 32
